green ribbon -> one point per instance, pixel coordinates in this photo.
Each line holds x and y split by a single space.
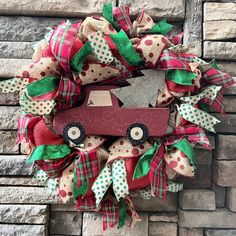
107 13
122 213
182 77
77 60
49 152
187 149
126 48
214 65
143 166
162 27
82 190
43 86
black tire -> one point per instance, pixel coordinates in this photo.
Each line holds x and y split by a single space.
74 132
137 133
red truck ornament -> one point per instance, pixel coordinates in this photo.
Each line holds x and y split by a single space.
101 114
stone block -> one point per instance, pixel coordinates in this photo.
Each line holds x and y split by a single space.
164 217
24 214
220 50
220 193
66 223
15 165
226 148
10 66
193 27
16 50
221 218
224 173
203 157
20 181
9 98
219 11
63 207
8 117
23 230
202 178
230 104
219 30
231 199
197 199
33 195
228 67
220 232
162 229
227 124
156 204
190 232
169 9
8 142
92 225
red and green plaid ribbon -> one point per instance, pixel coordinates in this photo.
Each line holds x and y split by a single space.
157 173
86 203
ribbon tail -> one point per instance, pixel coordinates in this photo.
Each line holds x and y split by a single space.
122 213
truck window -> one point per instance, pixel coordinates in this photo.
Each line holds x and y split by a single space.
99 98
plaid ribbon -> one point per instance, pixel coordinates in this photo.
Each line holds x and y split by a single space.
68 94
62 40
54 168
86 203
87 167
157 174
26 123
214 76
176 39
110 214
171 61
122 18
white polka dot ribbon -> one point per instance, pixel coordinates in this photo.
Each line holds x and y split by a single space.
174 187
116 175
13 85
197 116
100 47
209 93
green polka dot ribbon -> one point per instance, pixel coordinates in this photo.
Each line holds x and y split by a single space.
13 85
100 47
116 175
198 117
209 93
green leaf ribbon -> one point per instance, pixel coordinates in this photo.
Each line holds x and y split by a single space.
122 213
182 77
82 190
162 27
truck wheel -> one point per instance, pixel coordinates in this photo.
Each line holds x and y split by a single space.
74 132
137 133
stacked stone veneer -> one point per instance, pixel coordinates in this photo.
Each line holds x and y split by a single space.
205 207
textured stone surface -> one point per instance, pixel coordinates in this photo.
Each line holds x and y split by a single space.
219 30
190 232
156 204
29 29
231 199
219 11
224 173
30 214
62 207
170 9
229 67
51 7
16 50
230 104
68 223
221 218
20 181
162 229
10 66
23 230
220 193
164 217
203 157
202 178
227 124
220 50
34 195
8 117
197 199
226 148
192 27
9 98
220 232
15 165
95 219
8 142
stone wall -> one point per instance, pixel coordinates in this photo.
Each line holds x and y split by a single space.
205 207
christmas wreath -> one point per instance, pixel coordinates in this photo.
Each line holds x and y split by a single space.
111 106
